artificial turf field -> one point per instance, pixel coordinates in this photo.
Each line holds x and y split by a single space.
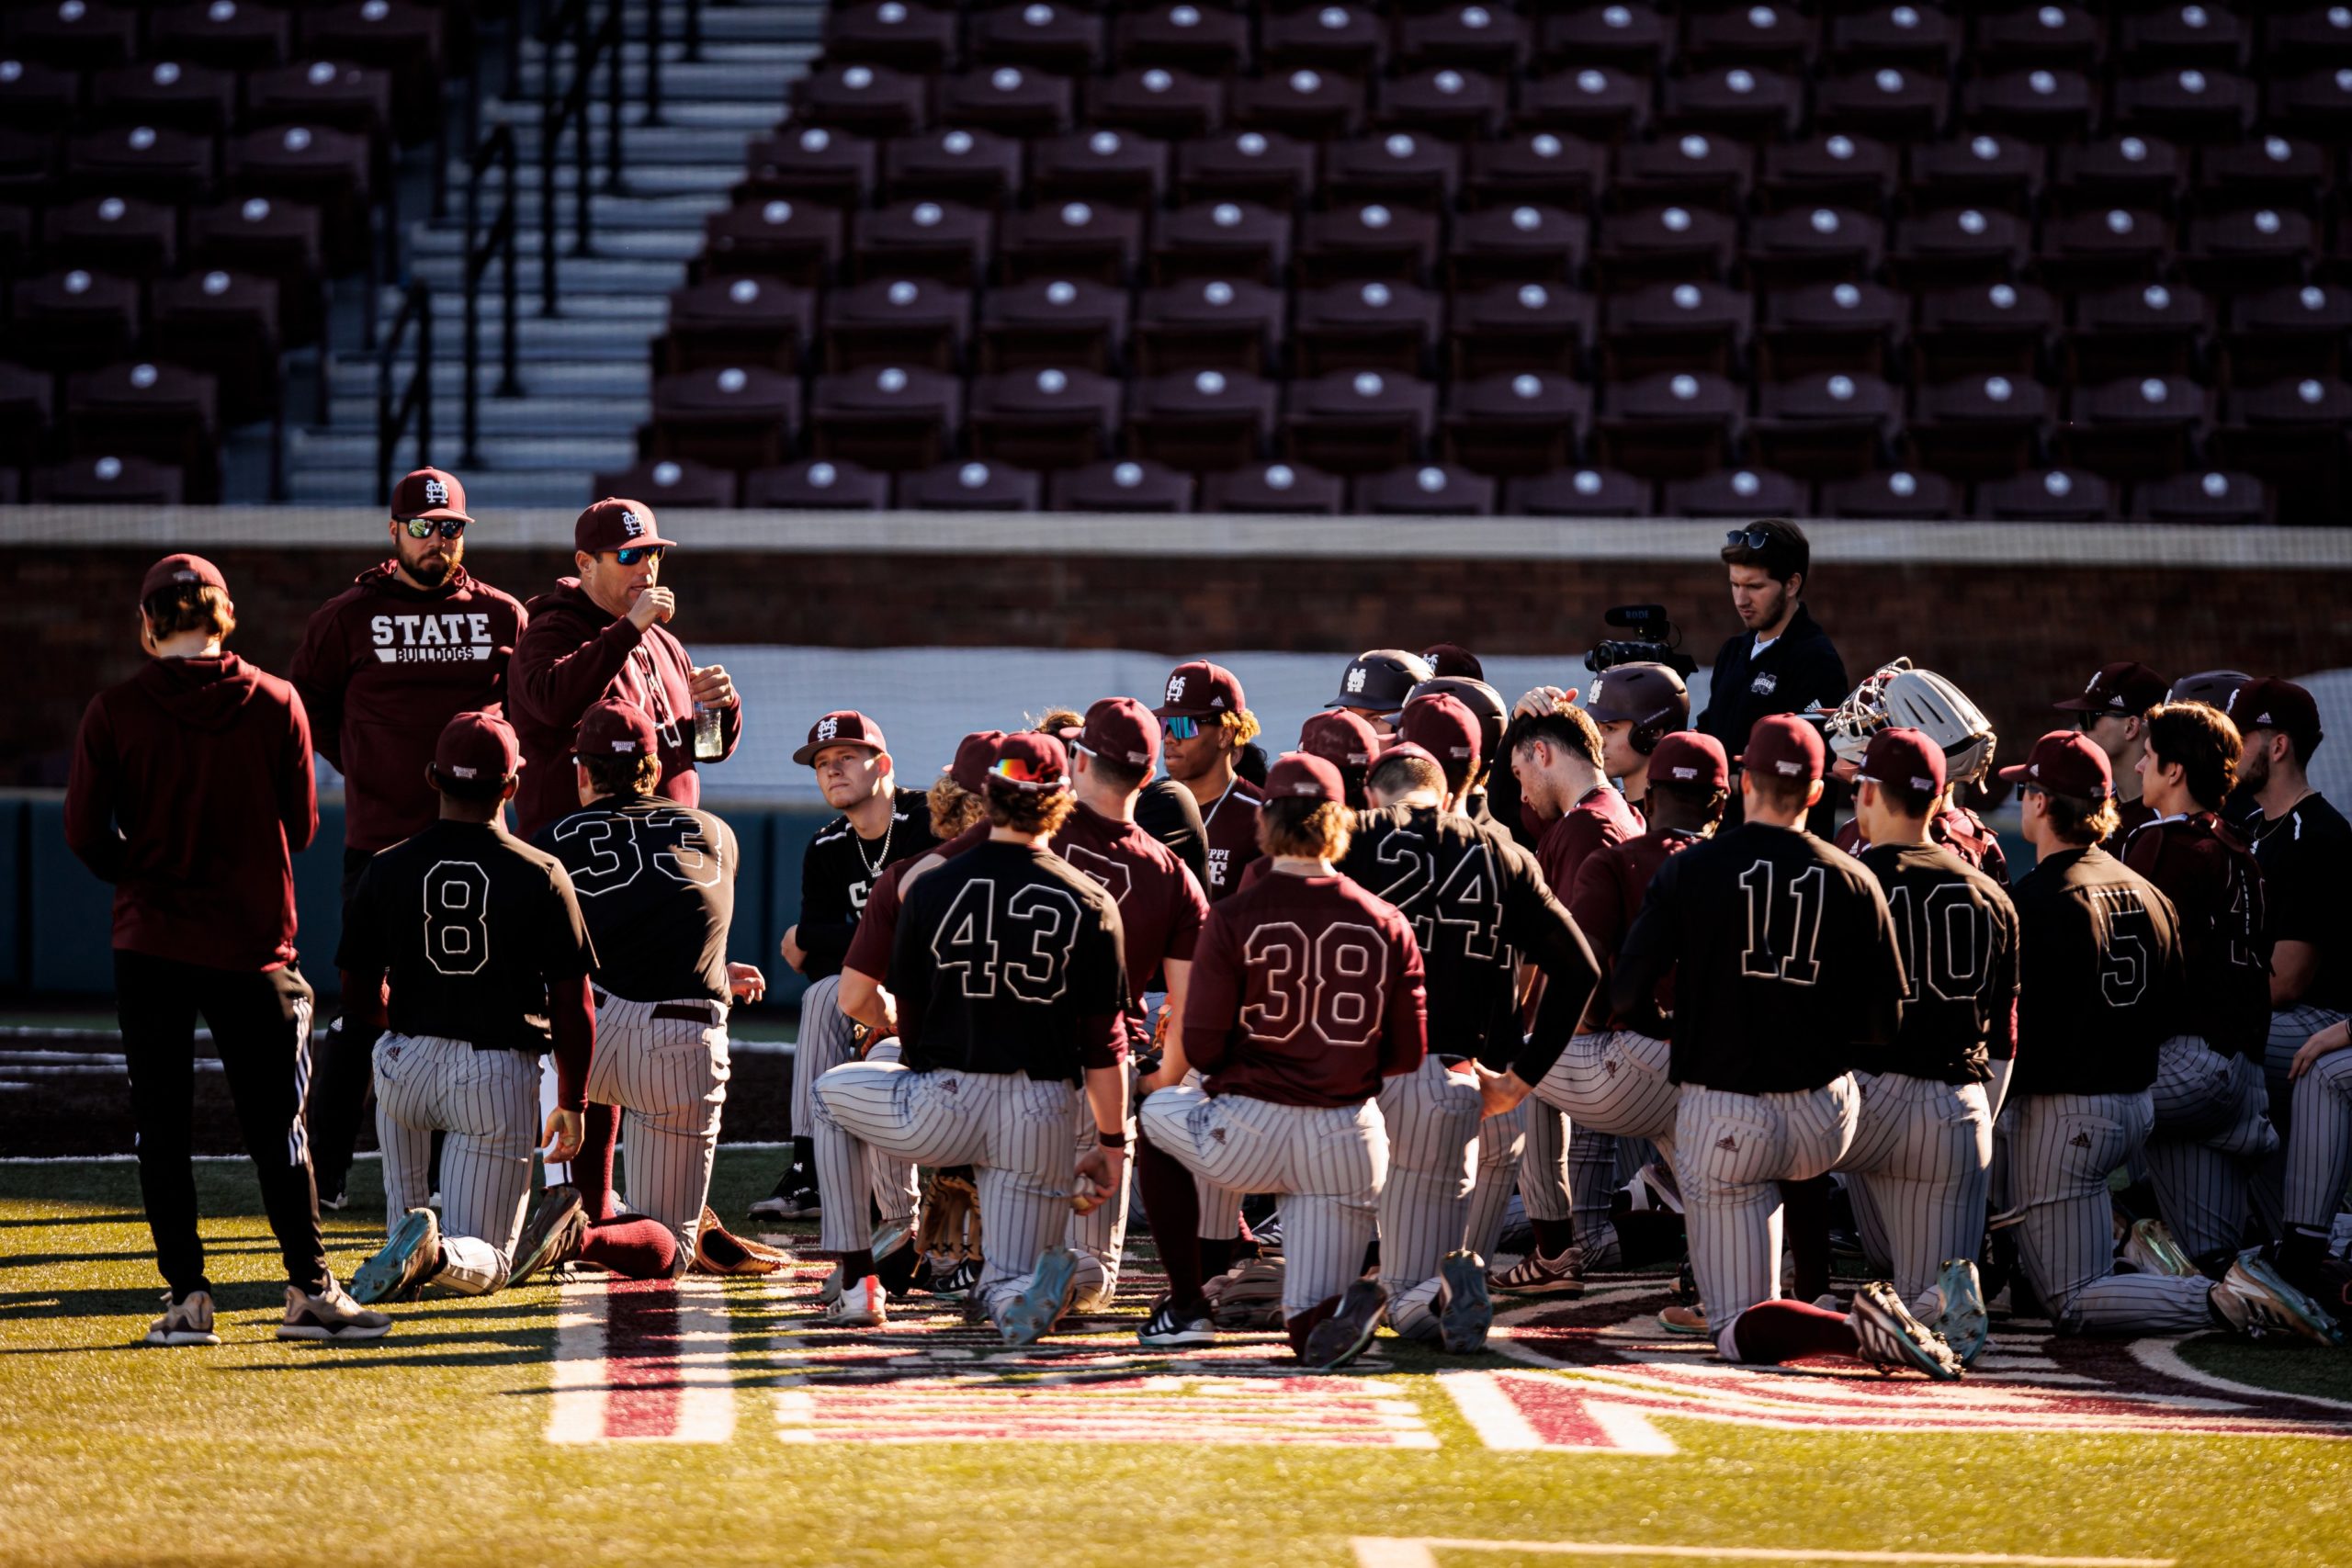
569 1424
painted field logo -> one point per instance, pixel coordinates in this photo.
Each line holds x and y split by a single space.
1623 1371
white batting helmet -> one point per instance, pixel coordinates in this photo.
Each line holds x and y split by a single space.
1899 696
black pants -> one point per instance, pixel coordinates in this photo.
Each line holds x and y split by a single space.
345 1068
261 1026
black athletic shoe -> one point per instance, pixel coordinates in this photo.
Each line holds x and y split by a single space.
551 1235
1341 1338
794 1198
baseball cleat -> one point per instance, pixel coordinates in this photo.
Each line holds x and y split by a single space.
898 1273
409 1256
1169 1328
2257 1301
1536 1275
2149 1246
1035 1310
329 1315
794 1198
1887 1335
184 1322
337 1201
1464 1308
1963 1321
1341 1338
863 1305
553 1233
1684 1320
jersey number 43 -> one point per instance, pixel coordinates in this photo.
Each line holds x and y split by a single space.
1016 945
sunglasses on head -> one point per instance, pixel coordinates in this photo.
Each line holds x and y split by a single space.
1179 728
629 555
1754 538
1021 771
425 527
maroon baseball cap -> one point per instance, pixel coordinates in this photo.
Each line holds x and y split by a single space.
843 726
2124 689
2272 704
1443 725
476 751
180 571
970 770
1783 746
1121 730
616 525
429 492
1686 756
1030 761
1341 737
1452 658
1300 776
2065 763
1905 759
1196 689
615 728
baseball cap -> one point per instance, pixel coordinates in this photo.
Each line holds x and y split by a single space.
2065 763
1341 737
1298 775
1030 762
1381 680
2214 688
1445 727
1197 689
842 726
615 728
2272 704
1687 757
615 525
1452 658
970 770
475 753
2124 687
1905 759
1636 693
1783 746
1119 730
179 571
429 492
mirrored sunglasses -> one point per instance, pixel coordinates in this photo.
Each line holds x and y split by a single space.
1179 728
425 527
629 555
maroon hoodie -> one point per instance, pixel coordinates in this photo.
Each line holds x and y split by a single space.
191 790
383 666
573 655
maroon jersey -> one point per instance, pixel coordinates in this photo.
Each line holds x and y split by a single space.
572 656
1607 894
383 667
1161 903
1957 829
1231 828
2215 885
1306 990
1600 817
191 788
2133 816
877 923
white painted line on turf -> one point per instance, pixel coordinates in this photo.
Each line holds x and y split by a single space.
1480 1399
2164 1356
1485 1401
1421 1552
642 1361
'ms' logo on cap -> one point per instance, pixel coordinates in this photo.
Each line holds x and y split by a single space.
827 728
632 524
435 493
1176 688
1355 678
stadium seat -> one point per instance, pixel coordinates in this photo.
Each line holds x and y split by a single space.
1072 239
1897 35
232 36
896 321
74 320
1669 424
1904 495
1522 243
2000 328
1312 104
107 480
1664 244
902 35
1522 326
2137 428
1445 102
1221 239
2291 330
187 95
890 417
2212 497
282 241
1053 322
972 485
2291 434
1598 102
157 161
1122 486
868 100
2053 495
160 412
1236 325
1045 419
1635 38
1522 422
1369 240
1540 167
1578 493
1833 424
28 416
944 239
1348 39
1208 39
667 486
1428 490
122 235
1737 492
1819 245
1838 170
1367 326
1691 170
811 163
1274 487
1201 421
1677 326
1262 166
73 34
1156 102
317 166
1066 38
735 417
1358 421
2132 172
2155 329
738 320
796 241
1399 168
1473 36
1984 169
1099 167
817 484
1832 326
976 168
229 325
1980 427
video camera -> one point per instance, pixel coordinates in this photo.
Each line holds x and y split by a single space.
1654 640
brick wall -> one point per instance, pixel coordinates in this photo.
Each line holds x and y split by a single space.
2013 636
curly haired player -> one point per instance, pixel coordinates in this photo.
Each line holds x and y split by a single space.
1204 723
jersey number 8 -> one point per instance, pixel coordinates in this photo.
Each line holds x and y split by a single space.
1338 981
456 916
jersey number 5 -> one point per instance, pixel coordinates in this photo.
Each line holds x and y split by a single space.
456 916
2124 953
1778 950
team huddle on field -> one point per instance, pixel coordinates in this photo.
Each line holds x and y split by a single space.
1324 1019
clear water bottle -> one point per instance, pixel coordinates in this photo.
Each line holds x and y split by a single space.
709 745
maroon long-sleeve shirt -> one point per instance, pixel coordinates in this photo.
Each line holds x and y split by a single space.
191 791
573 655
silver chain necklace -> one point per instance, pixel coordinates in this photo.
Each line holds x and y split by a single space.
873 867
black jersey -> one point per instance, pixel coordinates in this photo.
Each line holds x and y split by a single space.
1958 933
2099 975
1007 960
656 881
1477 901
1786 965
1166 810
838 870
2306 855
472 925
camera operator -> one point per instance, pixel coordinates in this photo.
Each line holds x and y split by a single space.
1783 663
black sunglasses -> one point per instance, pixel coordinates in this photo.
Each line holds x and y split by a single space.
629 555
1754 538
424 527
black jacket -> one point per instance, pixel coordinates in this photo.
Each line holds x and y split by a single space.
1799 670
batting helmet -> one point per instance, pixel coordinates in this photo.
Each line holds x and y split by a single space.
2212 687
1650 697
1381 680
1485 706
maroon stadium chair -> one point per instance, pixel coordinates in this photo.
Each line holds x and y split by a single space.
1664 244
73 34
1207 39
1201 421
74 320
1522 326
817 484
970 486
668 485
795 242
1983 169
1832 326
31 167
1065 39
2151 329
391 35
17 246
357 98
1098 165
2004 328
2142 428
2043 104
157 161
2305 33
1373 240
2195 104
896 321
1475 36
107 480
1348 39
1053 322
1263 166
1221 239
736 417
1957 247
1520 243
1751 102
234 37
1045 419
1375 325
317 166
2145 172
1124 486
1900 495
2317 104
811 163
1522 422
1445 101
738 320
1834 170
1893 102
1155 101
2212 497
282 241
1669 424
1541 166
2241 251
944 239
1634 38
1311 102
905 37
893 417
1833 424
1276 488
159 412
2109 249
2053 495
2297 329
227 325
1427 490
36 96
977 168
1736 492
122 235
1071 239
28 416
2270 170
2291 434
1779 36
184 95
1693 169
1579 492
1359 421
1676 326
1820 244
1215 325
2187 35
1398 167
864 100
1980 427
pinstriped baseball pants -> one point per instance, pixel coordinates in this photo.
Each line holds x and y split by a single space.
1544 1163
668 1077
2319 1155
1918 1171
1013 1131
1732 1151
1328 1162
1433 1119
2289 1028
488 1102
2061 1151
826 1039
1613 1087
2212 1129
1501 1140
1098 1240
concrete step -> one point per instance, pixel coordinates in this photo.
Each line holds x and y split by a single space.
606 214
644 309
682 144
731 24
582 339
650 181
488 492
536 415
617 239
354 452
594 379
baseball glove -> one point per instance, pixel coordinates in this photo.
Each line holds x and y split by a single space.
1248 1296
949 1232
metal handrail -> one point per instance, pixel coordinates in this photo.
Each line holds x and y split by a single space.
498 243
415 399
571 110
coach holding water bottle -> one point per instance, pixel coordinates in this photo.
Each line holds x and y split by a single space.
602 635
